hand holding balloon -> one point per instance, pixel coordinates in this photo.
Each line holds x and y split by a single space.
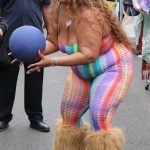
44 62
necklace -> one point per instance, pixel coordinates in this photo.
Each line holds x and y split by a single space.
69 18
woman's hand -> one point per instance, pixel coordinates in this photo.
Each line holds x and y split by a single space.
44 62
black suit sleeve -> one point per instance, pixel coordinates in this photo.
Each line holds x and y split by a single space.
46 2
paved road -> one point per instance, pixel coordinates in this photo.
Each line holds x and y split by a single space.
133 114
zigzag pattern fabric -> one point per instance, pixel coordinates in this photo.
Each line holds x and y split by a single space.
99 86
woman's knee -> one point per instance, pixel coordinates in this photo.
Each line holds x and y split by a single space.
70 115
99 118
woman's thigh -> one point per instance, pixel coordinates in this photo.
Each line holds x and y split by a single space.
75 100
107 91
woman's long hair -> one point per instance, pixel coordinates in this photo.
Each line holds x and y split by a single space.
107 19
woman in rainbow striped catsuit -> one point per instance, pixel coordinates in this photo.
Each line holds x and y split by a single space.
100 57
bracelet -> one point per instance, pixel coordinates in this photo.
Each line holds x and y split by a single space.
53 62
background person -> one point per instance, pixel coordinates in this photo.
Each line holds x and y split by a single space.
4 62
19 13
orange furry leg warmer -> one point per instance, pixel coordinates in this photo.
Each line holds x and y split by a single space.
70 138
113 139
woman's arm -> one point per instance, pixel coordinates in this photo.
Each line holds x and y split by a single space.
51 21
50 48
46 11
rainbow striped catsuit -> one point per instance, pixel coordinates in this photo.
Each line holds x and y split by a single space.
99 86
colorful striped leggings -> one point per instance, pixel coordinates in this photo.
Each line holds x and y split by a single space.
101 95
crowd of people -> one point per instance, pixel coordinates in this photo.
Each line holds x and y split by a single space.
100 57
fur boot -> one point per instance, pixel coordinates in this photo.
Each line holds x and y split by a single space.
70 138
114 139
105 140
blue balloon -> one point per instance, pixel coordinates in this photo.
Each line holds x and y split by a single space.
25 42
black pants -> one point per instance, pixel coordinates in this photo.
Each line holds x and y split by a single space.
33 93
